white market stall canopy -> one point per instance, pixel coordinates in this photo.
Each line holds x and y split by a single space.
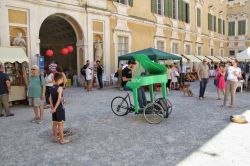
13 54
244 55
214 58
192 58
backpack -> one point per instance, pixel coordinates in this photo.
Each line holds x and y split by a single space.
166 105
83 70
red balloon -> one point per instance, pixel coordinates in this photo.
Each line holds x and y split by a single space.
49 53
70 49
64 51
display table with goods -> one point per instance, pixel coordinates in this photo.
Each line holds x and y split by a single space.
16 66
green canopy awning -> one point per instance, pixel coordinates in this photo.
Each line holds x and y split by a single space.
152 53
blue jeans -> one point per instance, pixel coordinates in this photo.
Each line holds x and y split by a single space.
99 77
203 85
142 100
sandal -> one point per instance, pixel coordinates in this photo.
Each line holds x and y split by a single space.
55 139
64 142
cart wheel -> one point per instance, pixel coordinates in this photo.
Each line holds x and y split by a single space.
153 113
119 106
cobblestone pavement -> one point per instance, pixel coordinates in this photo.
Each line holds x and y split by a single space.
196 133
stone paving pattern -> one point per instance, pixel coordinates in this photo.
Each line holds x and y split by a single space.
101 138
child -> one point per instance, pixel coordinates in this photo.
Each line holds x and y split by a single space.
57 109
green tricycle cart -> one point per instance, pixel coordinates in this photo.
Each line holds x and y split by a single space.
157 109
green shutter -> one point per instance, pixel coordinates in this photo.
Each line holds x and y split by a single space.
187 13
223 27
170 8
184 14
209 22
154 6
229 29
233 29
130 2
214 23
198 17
180 10
219 25
165 7
242 27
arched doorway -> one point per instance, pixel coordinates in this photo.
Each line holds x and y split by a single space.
57 32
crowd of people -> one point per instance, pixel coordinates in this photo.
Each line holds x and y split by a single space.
226 79
46 90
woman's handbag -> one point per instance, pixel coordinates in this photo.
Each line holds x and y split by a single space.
216 82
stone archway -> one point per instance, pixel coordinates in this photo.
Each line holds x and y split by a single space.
56 32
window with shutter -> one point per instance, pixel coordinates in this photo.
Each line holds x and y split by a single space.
223 27
231 28
187 13
184 13
212 52
125 2
214 23
123 45
130 2
188 49
160 45
154 6
159 7
175 9
181 10
209 21
242 27
198 17
170 8
165 7
219 25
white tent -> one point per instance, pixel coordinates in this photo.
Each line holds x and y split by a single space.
244 55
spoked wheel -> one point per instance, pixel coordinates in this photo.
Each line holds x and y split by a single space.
119 106
169 110
153 113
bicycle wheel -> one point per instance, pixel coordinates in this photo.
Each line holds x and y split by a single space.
119 106
153 113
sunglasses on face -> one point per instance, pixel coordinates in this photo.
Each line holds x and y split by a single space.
33 69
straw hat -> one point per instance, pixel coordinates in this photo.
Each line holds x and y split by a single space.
238 119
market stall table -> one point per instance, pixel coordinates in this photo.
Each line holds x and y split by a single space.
16 66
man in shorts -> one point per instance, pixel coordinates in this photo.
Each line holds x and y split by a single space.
36 92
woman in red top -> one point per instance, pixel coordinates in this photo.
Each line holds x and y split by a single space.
221 81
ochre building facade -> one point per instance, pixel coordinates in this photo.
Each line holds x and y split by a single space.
111 28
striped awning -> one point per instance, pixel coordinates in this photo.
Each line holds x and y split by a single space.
222 59
192 58
213 58
13 54
227 58
203 57
184 59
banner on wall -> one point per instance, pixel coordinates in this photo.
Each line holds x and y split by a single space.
41 62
